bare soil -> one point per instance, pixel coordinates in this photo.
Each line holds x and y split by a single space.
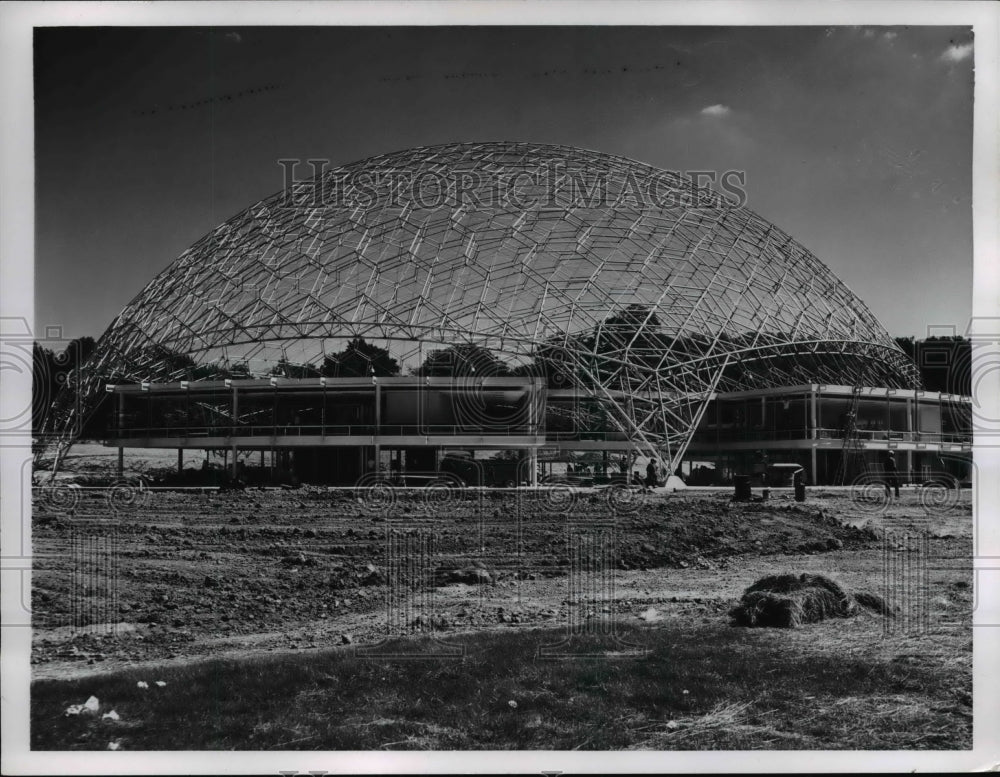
200 574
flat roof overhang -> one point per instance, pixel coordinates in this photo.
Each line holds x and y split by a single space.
406 381
414 381
260 442
333 441
830 444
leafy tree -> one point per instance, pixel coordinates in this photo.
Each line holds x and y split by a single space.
635 326
908 345
210 372
360 359
237 370
465 359
50 371
174 361
945 363
286 369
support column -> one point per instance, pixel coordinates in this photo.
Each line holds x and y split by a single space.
236 408
120 419
813 423
532 400
814 475
180 460
534 467
121 461
322 412
378 424
236 415
911 411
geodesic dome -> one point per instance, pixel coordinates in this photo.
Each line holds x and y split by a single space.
647 291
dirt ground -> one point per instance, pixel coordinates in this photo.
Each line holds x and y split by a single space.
125 577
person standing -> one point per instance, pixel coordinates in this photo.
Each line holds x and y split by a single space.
651 474
891 473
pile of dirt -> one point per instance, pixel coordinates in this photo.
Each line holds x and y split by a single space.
788 601
700 531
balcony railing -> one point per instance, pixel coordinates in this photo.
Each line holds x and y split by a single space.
722 436
892 436
749 435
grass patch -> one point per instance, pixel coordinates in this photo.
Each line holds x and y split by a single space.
697 687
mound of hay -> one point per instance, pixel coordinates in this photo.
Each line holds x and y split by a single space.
788 601
873 602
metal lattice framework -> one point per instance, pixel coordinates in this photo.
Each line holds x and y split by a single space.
651 293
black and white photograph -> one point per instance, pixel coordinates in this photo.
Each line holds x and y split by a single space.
612 390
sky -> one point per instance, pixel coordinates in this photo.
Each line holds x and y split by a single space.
857 141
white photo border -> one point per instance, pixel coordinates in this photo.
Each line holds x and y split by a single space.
16 302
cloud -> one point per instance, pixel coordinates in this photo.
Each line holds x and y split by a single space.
957 52
235 37
716 110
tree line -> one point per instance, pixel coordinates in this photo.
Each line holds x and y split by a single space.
944 363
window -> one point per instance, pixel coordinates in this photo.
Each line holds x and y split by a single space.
929 417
